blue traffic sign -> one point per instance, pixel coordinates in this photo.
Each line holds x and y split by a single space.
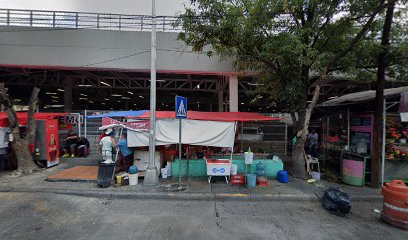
181 107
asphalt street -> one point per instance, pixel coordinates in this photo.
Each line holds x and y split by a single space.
54 216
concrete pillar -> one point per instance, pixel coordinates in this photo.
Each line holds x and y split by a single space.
233 93
68 94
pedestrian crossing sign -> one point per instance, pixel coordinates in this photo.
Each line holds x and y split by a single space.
181 107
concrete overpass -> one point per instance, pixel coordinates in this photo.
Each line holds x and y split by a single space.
103 58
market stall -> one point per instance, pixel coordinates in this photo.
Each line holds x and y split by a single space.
205 135
348 137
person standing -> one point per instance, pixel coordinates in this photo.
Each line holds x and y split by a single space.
313 139
106 145
127 154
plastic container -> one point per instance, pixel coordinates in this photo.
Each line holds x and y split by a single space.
105 174
283 176
260 169
133 170
249 158
164 172
251 180
133 179
315 175
395 208
234 169
168 167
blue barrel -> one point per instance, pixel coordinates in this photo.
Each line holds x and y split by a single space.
251 180
283 176
260 169
133 170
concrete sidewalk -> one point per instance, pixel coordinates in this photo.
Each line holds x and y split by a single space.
196 188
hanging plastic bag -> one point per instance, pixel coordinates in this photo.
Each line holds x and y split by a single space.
336 200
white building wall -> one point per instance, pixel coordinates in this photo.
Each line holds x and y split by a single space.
86 48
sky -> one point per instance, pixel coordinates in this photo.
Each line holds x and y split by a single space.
142 7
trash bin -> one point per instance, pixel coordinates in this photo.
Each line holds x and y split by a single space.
105 174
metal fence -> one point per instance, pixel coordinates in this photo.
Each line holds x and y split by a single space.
85 20
263 137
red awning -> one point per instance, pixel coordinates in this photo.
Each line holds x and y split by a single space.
215 116
23 117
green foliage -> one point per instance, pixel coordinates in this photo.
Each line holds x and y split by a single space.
286 40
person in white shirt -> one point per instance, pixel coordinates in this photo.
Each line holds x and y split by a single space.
106 146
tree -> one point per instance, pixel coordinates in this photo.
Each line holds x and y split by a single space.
21 141
378 120
293 45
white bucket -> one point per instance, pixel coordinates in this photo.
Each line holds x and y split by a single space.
168 166
133 179
249 157
234 169
164 172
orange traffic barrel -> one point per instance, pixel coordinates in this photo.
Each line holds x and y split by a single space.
395 207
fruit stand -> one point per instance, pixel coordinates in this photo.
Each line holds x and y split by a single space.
396 148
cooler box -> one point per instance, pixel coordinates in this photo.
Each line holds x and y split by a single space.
218 167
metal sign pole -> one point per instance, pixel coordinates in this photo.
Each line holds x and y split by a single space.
181 112
151 176
180 149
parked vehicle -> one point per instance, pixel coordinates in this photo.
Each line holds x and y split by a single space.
251 134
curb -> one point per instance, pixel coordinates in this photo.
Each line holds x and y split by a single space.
183 195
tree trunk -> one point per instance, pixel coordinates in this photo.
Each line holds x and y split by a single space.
25 163
20 144
379 98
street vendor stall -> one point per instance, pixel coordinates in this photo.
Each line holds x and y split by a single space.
352 120
204 132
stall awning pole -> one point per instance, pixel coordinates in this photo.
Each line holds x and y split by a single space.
383 142
348 129
117 150
85 114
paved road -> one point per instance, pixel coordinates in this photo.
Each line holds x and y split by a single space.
52 216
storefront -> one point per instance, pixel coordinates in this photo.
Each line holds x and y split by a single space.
347 137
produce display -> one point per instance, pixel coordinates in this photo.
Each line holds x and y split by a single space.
396 140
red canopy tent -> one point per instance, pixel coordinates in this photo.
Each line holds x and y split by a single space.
214 116
23 117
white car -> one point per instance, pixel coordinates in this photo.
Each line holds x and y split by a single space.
251 134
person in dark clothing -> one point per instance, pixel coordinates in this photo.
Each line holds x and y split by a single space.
83 147
70 144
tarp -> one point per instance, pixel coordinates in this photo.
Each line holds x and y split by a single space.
204 133
214 116
23 117
363 96
119 114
